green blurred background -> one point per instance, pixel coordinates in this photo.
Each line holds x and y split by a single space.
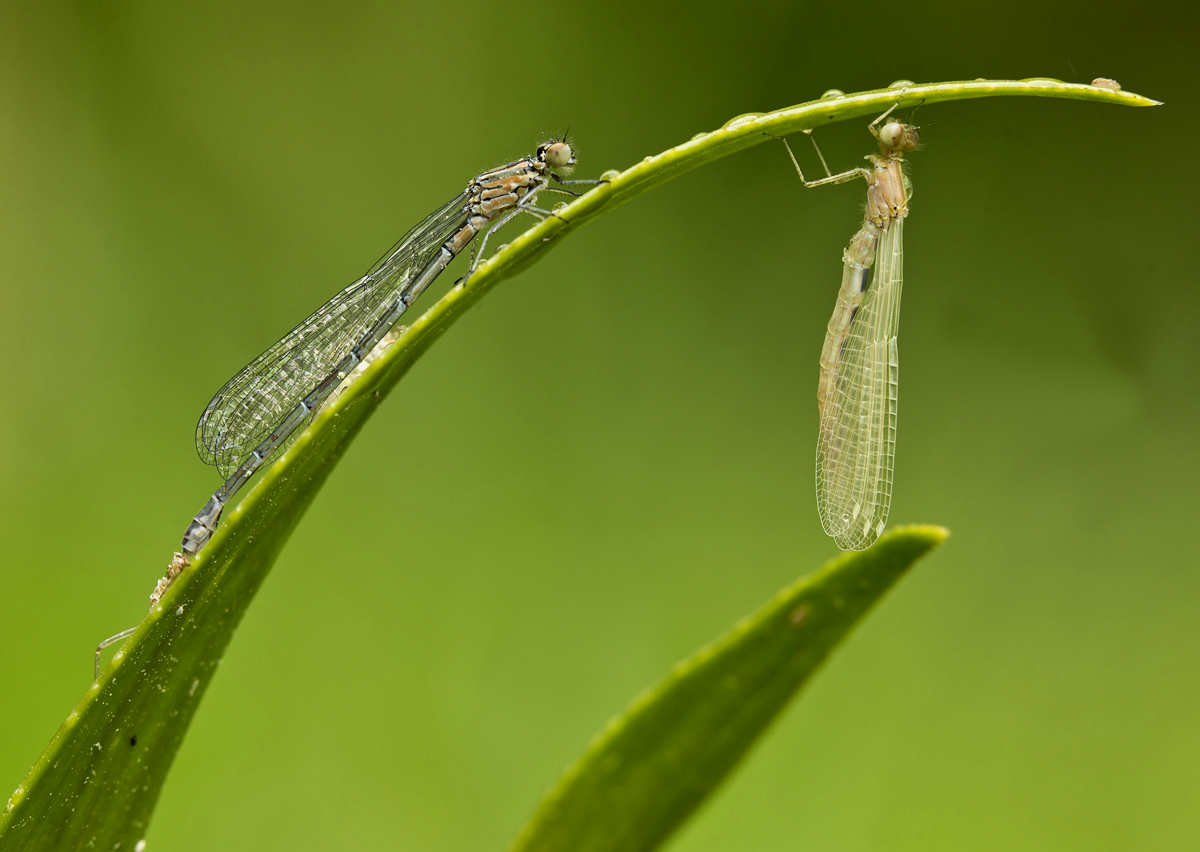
610 460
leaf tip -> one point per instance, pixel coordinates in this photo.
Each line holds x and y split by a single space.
924 537
934 533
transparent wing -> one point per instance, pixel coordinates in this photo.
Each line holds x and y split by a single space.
253 402
857 445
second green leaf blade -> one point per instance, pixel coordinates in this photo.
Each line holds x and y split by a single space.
651 767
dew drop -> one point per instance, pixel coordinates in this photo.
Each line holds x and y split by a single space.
560 207
611 174
697 136
902 84
833 94
1041 80
741 120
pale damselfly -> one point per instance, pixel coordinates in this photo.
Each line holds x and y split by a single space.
858 389
258 413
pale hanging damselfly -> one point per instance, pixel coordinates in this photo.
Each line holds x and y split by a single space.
858 388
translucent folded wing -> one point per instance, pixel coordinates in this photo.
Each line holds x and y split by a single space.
248 407
857 445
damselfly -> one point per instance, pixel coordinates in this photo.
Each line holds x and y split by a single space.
265 407
858 389
258 412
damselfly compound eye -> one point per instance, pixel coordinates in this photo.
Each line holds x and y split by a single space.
891 134
897 136
559 155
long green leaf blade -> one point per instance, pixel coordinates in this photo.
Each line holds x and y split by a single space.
651 767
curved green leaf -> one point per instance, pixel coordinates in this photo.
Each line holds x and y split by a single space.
652 766
92 787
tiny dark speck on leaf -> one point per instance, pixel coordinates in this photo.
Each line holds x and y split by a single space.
133 740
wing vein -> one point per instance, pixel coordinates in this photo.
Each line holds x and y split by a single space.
246 409
859 395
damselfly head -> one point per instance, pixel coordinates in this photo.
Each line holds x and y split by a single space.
898 136
557 154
